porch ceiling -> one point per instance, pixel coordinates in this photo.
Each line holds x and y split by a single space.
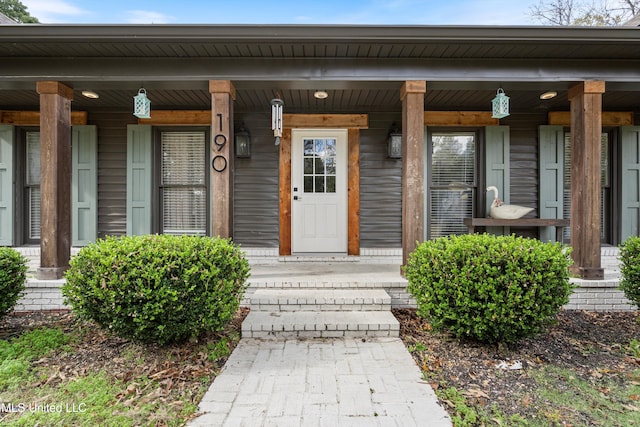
361 67
343 96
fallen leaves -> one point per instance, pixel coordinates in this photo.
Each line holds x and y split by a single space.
591 346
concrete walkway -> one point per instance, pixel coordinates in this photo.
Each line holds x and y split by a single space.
331 382
320 382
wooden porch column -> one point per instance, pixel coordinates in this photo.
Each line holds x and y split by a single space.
586 131
55 178
223 93
412 95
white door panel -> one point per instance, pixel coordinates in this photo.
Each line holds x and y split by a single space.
319 190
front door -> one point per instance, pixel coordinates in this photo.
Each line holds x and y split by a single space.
319 191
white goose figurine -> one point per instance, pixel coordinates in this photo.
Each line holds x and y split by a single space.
501 211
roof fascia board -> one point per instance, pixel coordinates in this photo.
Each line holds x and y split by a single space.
352 69
313 33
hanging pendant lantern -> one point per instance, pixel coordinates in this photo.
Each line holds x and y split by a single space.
500 105
142 105
276 118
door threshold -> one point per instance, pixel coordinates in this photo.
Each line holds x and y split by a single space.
319 257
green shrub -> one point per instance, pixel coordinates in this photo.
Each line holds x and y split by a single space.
157 288
13 273
489 288
630 269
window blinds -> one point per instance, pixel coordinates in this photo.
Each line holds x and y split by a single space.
453 169
32 184
183 183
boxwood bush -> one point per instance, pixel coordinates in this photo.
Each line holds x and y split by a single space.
157 288
13 273
630 269
489 288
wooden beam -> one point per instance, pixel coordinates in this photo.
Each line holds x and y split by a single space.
413 86
285 192
55 179
32 118
222 158
459 118
178 118
353 188
352 121
222 86
412 95
54 88
609 118
586 134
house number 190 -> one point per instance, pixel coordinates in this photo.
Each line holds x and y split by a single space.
219 162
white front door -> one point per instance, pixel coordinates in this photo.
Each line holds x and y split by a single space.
319 191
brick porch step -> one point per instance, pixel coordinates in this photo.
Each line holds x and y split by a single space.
282 300
320 324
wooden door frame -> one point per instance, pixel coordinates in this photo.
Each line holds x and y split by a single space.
353 123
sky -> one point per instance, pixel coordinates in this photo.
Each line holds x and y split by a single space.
353 12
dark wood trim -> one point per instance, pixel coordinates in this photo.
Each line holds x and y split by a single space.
32 118
178 118
353 189
412 95
285 192
337 121
459 118
609 118
586 133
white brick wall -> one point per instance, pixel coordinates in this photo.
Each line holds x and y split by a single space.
590 295
42 295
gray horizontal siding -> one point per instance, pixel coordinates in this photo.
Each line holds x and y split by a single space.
380 186
255 195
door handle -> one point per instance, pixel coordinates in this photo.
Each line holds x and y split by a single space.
297 198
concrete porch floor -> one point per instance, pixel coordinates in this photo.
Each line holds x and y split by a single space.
325 272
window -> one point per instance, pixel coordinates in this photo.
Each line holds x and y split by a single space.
32 186
320 165
605 181
183 183
452 182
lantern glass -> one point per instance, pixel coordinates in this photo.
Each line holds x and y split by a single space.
394 145
500 105
142 105
243 143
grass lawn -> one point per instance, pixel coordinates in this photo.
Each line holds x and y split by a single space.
58 371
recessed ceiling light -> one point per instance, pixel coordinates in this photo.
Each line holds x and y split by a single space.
90 94
320 94
549 94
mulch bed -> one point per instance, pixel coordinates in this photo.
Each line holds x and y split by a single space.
591 345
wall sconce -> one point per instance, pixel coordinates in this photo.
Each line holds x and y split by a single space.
394 143
276 118
500 105
242 142
142 105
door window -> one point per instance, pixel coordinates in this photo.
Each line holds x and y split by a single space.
319 165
